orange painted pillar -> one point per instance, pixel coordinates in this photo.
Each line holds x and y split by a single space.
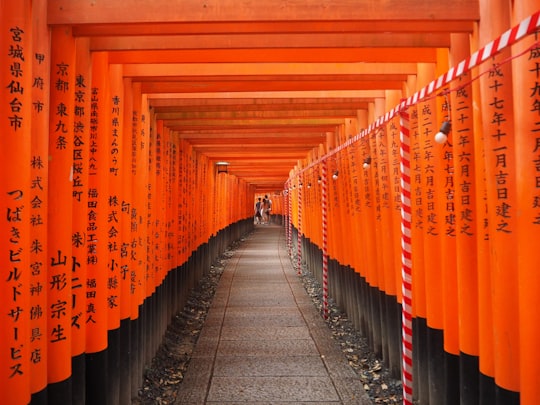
114 117
60 206
433 181
139 174
15 193
150 304
138 229
466 222
97 291
181 247
499 143
352 194
153 211
446 208
115 150
379 333
389 175
527 144
420 357
128 328
160 252
38 197
417 225
428 124
393 98
485 307
377 170
81 146
127 262
363 204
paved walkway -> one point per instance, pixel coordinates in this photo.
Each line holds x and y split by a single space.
263 341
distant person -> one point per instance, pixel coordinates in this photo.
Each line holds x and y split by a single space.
258 211
267 210
263 211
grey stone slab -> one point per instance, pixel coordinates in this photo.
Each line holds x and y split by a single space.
257 300
276 366
263 320
263 316
286 389
282 347
263 311
265 332
214 319
210 332
206 348
196 382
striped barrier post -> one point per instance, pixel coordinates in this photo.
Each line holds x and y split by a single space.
324 205
289 216
299 239
406 269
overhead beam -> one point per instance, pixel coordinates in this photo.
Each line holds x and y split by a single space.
266 69
128 11
261 95
170 106
276 78
268 41
289 141
372 26
202 86
241 114
277 55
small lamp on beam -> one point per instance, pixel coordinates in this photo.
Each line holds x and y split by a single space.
222 167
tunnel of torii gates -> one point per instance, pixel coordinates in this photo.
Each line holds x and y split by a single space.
429 241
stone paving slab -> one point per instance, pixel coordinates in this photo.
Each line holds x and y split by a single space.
240 389
277 366
264 332
263 342
282 347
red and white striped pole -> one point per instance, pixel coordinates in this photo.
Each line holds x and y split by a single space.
406 260
324 206
299 252
290 220
287 217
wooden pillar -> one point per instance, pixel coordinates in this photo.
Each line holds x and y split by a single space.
432 178
60 213
419 287
500 164
466 217
115 151
128 325
393 191
379 326
97 292
38 197
15 131
81 147
527 144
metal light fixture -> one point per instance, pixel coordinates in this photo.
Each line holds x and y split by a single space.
335 175
309 185
319 180
367 162
222 167
442 135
